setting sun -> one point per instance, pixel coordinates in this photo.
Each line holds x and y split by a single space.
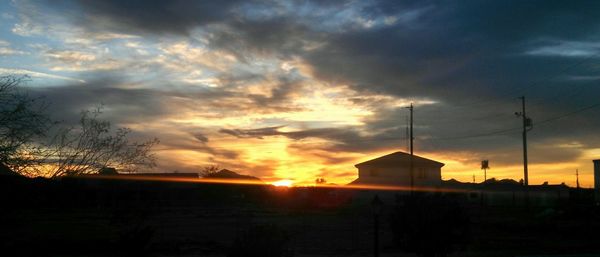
283 183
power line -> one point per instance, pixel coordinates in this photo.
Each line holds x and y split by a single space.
532 84
538 102
561 96
504 131
478 118
492 133
568 114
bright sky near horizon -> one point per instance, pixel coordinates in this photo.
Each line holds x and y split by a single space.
295 90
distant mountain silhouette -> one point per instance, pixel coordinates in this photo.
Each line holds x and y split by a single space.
228 174
453 182
505 182
490 183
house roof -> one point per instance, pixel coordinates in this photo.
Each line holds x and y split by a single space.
399 158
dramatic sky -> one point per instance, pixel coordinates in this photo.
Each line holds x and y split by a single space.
305 89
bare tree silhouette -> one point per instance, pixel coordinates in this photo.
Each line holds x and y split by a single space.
33 145
23 124
93 144
320 181
209 170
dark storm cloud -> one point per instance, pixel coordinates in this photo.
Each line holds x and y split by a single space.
278 98
281 37
280 94
177 143
252 133
131 105
260 133
454 50
152 16
345 139
201 137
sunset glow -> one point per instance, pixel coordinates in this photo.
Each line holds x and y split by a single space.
312 96
283 183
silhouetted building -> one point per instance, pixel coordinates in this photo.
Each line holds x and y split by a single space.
394 169
597 179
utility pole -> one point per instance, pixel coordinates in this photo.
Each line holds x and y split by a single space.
527 125
407 135
411 129
412 174
577 175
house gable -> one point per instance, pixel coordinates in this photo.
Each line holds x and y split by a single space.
399 159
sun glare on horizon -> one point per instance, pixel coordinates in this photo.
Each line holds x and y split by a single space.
283 183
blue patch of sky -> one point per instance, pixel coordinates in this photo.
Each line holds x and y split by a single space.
30 58
323 18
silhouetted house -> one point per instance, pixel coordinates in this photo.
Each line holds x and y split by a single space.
597 179
394 169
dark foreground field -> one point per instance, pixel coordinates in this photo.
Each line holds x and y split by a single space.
76 217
